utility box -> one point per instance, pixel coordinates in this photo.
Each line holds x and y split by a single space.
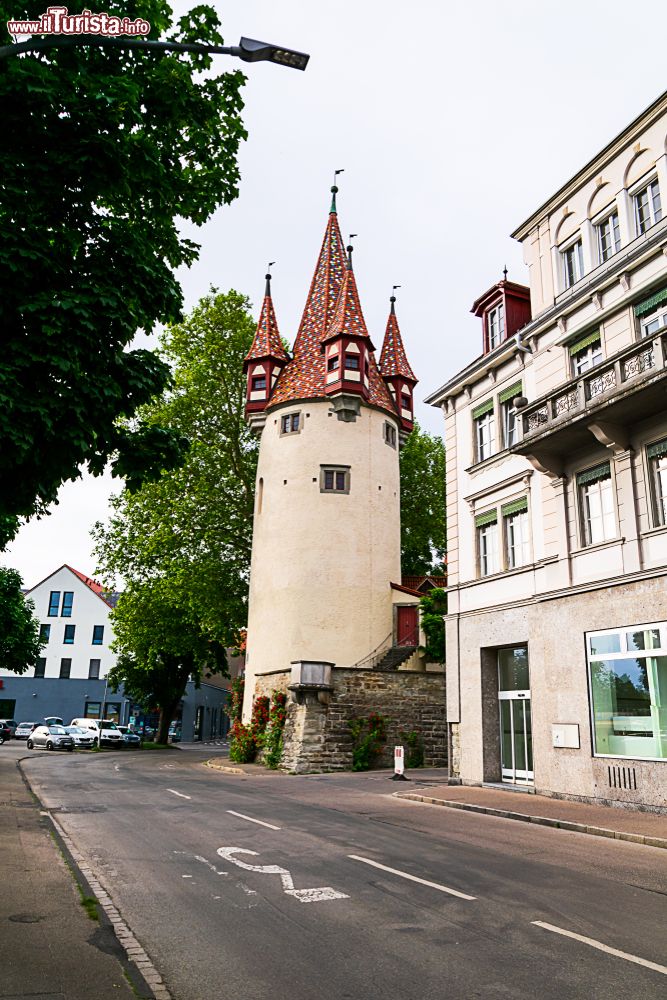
566 735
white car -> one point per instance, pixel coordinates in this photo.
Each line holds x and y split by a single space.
82 737
104 731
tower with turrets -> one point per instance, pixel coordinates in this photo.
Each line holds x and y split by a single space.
326 537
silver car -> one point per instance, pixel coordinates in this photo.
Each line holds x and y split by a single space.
23 730
51 737
83 738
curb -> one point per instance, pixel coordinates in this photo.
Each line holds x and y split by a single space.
224 767
559 824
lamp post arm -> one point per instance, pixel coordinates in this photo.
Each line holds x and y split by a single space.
67 41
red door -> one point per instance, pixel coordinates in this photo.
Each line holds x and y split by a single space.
407 626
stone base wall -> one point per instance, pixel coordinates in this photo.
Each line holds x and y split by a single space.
317 735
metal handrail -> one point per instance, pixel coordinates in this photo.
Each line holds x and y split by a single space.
379 651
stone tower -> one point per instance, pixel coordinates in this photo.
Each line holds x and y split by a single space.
326 534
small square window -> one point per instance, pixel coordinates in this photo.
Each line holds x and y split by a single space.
54 603
98 635
258 383
290 423
94 670
332 363
65 669
44 633
40 667
334 479
93 710
390 434
352 362
69 634
68 601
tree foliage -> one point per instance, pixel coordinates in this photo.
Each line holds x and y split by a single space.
423 539
102 151
182 544
433 606
20 643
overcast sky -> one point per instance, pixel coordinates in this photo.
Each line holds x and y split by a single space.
453 122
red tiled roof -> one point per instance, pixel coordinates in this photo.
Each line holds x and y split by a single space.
393 359
267 342
93 585
348 316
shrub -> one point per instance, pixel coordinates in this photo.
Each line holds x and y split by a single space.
415 752
273 738
369 736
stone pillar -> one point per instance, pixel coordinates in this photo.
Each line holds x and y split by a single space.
560 573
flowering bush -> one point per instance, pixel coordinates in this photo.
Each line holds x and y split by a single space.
241 745
273 738
367 745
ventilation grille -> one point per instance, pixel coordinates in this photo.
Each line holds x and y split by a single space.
622 777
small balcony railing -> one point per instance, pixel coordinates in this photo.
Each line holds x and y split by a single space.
619 375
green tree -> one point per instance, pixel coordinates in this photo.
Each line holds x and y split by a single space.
423 538
20 643
189 534
433 606
102 151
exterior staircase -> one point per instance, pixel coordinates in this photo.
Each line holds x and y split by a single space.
394 657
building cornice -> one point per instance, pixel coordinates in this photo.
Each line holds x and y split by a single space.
594 166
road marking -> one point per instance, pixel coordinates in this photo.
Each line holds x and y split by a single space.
180 794
186 876
303 895
412 878
208 864
602 947
259 822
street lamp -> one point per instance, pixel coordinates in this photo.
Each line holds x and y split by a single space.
248 49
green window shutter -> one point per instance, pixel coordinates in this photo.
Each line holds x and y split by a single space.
482 409
490 517
657 450
580 345
511 393
602 471
651 303
515 507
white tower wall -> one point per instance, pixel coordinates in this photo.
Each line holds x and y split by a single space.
322 563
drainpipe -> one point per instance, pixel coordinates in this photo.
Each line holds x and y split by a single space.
520 346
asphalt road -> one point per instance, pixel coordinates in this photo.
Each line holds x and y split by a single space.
271 887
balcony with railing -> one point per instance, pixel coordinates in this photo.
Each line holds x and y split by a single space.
622 390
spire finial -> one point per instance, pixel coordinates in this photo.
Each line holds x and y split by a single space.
393 298
505 273
334 190
267 290
349 249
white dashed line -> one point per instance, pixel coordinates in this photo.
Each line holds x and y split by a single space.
251 820
180 794
602 947
412 878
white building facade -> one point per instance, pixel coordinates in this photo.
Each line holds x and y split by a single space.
556 442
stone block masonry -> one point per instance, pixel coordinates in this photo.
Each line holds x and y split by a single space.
317 735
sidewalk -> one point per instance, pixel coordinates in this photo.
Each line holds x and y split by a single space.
581 817
50 949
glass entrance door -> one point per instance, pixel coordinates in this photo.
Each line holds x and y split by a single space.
516 742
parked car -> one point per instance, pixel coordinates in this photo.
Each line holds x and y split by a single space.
5 731
175 732
23 730
105 732
51 737
130 738
52 720
12 723
82 737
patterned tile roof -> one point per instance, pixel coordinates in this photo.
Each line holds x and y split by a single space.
266 342
348 316
393 360
304 376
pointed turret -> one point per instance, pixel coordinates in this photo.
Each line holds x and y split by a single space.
396 371
264 361
347 345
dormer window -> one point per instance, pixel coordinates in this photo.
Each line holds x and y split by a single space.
258 383
332 363
495 325
405 401
573 264
352 362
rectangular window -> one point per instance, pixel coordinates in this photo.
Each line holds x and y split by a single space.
54 603
68 601
98 635
69 634
334 479
44 633
657 460
586 353
93 710
485 433
65 668
289 424
517 538
352 362
112 711
40 667
609 237
628 685
596 503
332 363
487 543
258 383
573 264
390 434
94 670
510 424
654 323
405 401
495 325
648 208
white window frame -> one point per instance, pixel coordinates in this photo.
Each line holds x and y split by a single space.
488 549
485 436
587 359
516 530
597 510
495 325
651 188
657 469
576 248
510 423
613 231
659 317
